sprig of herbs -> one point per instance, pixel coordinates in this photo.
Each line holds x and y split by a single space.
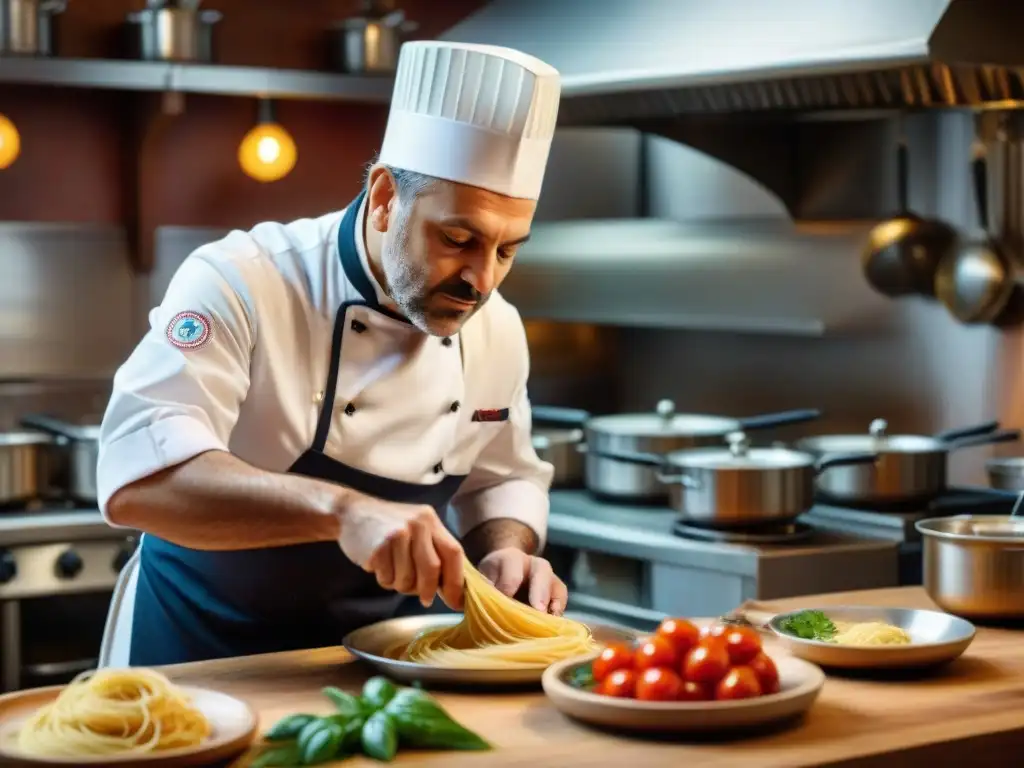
809 625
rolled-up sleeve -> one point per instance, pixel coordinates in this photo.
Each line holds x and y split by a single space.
179 393
508 479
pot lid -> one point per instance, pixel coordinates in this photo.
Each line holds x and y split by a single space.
739 455
876 441
26 437
664 422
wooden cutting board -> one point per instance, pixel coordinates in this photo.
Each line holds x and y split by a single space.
971 713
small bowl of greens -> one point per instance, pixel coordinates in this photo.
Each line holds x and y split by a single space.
866 637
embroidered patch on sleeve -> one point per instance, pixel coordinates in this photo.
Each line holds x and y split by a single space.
491 414
189 330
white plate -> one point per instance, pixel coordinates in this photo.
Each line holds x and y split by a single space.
234 729
799 685
936 638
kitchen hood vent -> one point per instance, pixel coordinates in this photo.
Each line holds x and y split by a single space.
624 61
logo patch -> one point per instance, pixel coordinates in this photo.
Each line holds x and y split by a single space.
491 414
188 330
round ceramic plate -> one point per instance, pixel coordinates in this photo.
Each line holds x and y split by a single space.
937 638
799 685
382 643
234 729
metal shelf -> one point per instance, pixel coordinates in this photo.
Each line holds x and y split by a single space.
195 78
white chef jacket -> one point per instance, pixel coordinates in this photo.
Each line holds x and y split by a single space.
253 383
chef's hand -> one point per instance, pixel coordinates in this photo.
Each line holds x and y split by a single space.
509 569
407 548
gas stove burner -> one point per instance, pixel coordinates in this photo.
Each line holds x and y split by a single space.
769 533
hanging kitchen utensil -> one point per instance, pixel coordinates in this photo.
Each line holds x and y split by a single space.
367 45
26 26
910 468
739 486
168 31
975 282
903 252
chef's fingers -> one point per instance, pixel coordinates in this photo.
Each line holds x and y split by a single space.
559 596
383 567
541 577
405 568
511 573
450 553
427 564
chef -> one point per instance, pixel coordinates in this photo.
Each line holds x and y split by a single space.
310 398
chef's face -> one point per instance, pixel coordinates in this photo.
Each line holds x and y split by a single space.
445 250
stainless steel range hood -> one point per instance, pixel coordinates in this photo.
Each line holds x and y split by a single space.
626 61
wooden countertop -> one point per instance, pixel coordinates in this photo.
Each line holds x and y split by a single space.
971 713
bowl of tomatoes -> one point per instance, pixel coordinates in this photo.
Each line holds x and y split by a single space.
682 678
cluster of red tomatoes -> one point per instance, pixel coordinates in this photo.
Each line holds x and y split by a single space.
680 662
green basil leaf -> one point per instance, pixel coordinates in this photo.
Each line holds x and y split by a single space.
288 727
345 703
379 737
286 756
423 723
378 691
320 744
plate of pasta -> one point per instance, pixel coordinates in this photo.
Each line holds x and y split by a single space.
123 717
497 640
864 637
684 679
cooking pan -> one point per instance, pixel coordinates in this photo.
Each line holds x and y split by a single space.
660 432
26 465
82 446
739 486
910 468
557 439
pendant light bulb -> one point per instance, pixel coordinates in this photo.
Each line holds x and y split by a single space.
10 142
267 152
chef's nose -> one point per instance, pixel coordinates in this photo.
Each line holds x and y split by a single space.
481 273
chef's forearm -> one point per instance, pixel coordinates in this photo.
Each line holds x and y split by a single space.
215 501
499 533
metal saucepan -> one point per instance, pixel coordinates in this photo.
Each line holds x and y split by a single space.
557 441
26 465
1006 473
172 32
26 26
82 446
974 564
739 486
910 468
369 46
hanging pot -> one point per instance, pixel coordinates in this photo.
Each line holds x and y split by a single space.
169 32
739 486
910 468
369 46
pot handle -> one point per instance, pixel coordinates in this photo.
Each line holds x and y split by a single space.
556 415
779 419
655 460
978 429
47 424
844 459
1002 436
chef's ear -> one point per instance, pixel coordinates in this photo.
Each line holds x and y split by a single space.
381 197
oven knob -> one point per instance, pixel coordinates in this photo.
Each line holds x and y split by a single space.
69 564
124 554
8 566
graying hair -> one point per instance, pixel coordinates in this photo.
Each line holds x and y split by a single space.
409 184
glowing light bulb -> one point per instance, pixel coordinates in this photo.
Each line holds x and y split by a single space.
267 152
10 143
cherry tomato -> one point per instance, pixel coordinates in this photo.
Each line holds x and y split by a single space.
766 671
611 658
743 644
739 683
655 652
621 684
658 684
692 691
706 664
682 634
714 630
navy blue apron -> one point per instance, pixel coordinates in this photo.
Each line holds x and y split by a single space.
193 605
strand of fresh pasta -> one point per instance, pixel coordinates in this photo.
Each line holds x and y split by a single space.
499 631
114 711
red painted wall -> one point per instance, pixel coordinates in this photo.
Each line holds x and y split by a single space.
79 163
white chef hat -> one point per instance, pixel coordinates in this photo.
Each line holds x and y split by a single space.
476 114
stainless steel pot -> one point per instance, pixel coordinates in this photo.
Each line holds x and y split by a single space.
1006 473
910 468
658 433
369 46
974 565
26 464
558 439
26 26
81 444
740 486
172 33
